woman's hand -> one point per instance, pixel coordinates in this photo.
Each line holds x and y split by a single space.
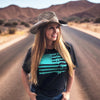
66 95
32 95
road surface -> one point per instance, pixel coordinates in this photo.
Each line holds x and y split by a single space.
87 74
87 50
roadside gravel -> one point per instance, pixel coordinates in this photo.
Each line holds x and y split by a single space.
6 41
95 34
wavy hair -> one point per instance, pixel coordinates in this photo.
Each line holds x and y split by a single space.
38 49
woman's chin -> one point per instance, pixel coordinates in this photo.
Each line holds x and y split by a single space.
54 39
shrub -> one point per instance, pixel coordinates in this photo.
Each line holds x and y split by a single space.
8 24
71 18
76 21
1 22
14 24
85 20
97 20
25 24
22 23
11 30
91 19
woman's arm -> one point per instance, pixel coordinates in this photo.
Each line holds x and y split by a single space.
66 94
25 79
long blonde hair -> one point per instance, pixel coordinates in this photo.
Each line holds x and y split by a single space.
38 50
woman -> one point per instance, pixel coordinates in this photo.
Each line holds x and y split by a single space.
48 62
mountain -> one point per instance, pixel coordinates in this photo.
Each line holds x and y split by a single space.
72 7
15 12
92 12
78 8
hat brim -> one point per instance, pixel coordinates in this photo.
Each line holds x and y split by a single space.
39 24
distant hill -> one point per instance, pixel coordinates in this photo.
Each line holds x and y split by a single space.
73 8
91 12
15 12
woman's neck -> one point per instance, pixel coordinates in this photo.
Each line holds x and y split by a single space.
49 45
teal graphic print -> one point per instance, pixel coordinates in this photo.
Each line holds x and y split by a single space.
52 63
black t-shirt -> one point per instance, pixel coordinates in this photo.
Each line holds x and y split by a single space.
52 72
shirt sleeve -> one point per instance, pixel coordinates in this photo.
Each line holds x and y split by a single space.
72 53
27 62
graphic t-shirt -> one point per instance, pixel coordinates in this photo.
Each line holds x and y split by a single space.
52 73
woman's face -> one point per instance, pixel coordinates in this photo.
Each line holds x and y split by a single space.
52 32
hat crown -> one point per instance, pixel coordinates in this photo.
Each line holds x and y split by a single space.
50 16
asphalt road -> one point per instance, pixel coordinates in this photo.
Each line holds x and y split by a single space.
88 57
11 60
87 50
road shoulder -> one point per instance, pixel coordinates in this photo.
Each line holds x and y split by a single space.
94 34
12 41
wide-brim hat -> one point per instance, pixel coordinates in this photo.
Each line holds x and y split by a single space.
43 19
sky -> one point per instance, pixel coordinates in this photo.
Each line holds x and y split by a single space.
38 4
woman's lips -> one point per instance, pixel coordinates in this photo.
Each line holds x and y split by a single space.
54 36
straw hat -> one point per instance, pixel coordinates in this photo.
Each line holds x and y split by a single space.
43 19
